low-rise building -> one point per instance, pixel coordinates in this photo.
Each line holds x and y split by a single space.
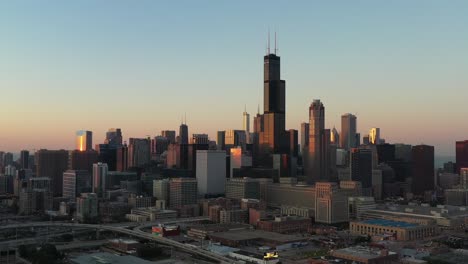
150 214
285 224
233 216
366 255
360 205
399 230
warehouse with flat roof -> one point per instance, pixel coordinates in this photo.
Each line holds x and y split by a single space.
399 230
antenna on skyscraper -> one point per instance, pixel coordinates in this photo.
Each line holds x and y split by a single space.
185 118
275 44
268 49
258 109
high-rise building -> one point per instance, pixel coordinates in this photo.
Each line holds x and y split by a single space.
84 140
122 158
114 137
2 156
403 152
361 167
240 188
183 191
158 145
183 134
76 182
331 203
6 184
234 138
211 171
293 142
238 159
24 159
423 169
461 155
87 207
82 160
334 137
246 121
273 138
10 170
161 190
100 178
317 161
304 138
139 152
385 153
170 135
52 164
464 178
107 153
348 131
374 135
199 139
8 159
220 140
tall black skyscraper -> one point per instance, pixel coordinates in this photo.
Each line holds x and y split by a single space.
361 167
24 159
273 138
423 169
183 134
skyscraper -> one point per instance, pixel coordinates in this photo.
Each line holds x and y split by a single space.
334 137
423 169
139 152
220 140
374 135
246 121
348 131
183 134
273 138
183 191
211 171
114 137
24 159
100 178
170 135
304 139
317 162
83 160
461 155
361 167
84 140
76 182
52 164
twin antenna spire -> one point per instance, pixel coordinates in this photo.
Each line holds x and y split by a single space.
275 51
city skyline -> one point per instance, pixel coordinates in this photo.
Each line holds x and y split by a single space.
143 93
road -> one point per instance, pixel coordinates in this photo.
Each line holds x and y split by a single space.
135 233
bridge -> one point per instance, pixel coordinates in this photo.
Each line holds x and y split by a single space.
133 233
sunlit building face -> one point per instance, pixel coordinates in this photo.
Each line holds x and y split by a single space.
84 140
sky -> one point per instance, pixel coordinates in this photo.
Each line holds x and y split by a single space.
141 65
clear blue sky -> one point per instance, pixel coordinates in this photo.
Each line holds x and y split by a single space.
139 65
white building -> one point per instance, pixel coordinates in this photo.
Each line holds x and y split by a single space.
211 171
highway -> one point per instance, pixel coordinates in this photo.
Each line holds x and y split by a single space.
135 233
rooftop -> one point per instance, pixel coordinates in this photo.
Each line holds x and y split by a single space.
240 235
108 258
361 252
383 222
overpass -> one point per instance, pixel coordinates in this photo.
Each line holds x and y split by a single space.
134 233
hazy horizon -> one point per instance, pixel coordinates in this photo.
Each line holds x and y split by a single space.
140 66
